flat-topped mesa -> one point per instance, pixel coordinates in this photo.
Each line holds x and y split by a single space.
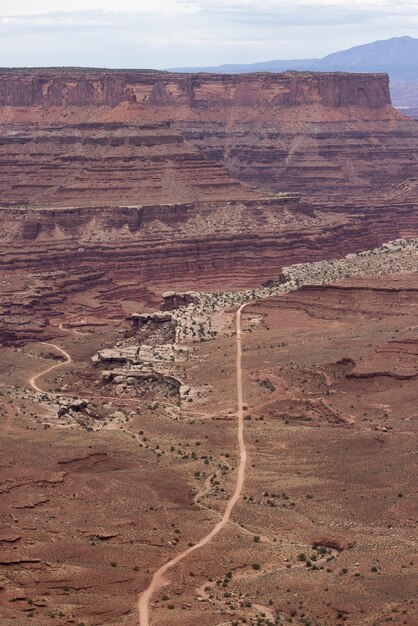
111 88
334 135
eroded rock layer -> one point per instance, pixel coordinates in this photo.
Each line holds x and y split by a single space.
93 260
93 164
332 159
330 133
62 87
106 201
165 242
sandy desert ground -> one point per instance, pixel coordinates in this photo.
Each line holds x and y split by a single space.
109 473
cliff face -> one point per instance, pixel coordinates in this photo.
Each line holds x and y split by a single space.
106 164
327 159
117 185
89 260
194 242
82 88
331 134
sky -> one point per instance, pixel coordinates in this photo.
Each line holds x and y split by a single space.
168 33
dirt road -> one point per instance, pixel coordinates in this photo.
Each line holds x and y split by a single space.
70 329
158 580
68 359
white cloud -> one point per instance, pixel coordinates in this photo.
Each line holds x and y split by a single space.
42 7
165 33
38 7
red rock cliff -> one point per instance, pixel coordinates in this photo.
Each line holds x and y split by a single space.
331 134
63 88
156 211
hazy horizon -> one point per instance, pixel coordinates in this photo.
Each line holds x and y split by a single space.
166 33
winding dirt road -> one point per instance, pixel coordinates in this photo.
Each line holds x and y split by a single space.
70 329
68 359
157 580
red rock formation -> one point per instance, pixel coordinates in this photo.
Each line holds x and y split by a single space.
110 253
106 164
330 134
81 88
102 156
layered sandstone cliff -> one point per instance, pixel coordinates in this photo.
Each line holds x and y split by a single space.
106 164
83 88
331 134
201 242
114 186
90 260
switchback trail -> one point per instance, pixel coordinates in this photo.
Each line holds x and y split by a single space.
158 578
68 359
69 330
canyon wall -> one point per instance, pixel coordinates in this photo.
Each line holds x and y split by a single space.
115 186
106 164
83 88
88 261
195 242
331 134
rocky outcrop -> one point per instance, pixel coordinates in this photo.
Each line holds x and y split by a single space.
174 300
142 319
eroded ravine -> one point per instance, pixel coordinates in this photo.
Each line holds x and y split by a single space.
157 580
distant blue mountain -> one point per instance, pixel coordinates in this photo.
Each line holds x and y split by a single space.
397 56
241 68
